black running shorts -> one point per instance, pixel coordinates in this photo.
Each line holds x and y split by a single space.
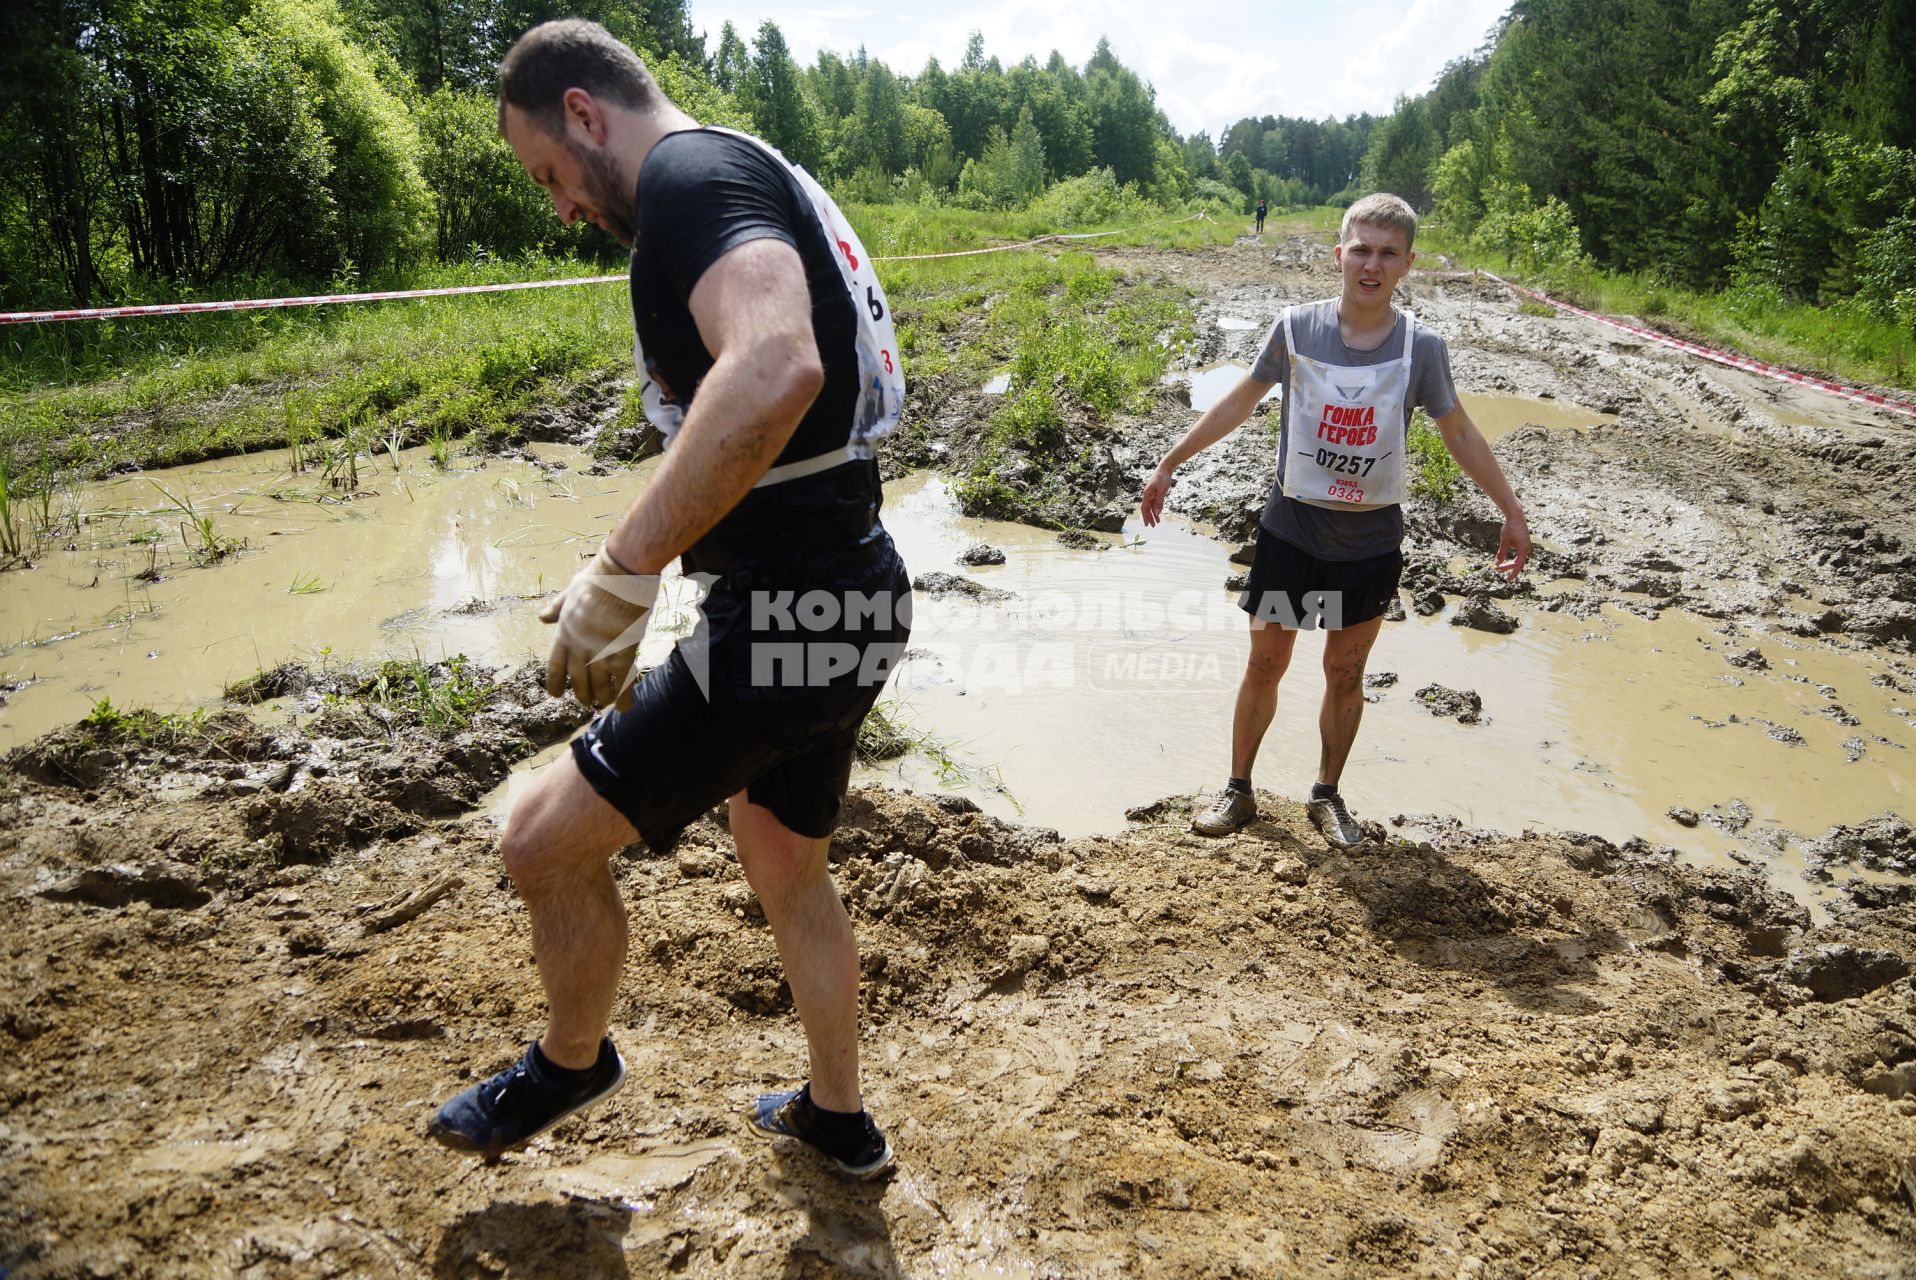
764 697
1292 588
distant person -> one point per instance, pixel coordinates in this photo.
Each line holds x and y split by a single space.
767 361
1328 553
1260 215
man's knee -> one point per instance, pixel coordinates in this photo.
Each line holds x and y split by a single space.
1344 666
526 856
1267 661
1262 669
776 860
555 833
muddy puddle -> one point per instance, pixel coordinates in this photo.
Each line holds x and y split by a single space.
1079 683
1497 416
1104 676
422 561
1209 384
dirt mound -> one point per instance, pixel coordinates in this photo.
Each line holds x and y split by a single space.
1144 1052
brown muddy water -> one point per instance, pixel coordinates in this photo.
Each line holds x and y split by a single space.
1496 416
1102 679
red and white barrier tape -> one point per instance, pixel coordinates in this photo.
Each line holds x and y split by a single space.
260 304
315 300
1730 358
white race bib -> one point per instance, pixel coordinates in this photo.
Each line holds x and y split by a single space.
1344 427
882 383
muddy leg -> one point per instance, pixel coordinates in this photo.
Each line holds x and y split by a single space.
1345 653
1257 692
558 842
790 875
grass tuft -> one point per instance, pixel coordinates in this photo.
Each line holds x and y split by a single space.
445 696
1434 473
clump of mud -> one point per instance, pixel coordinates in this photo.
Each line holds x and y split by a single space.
1883 843
1465 706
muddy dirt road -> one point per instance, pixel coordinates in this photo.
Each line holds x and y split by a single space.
241 965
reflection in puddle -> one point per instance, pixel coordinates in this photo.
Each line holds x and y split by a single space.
999 384
1600 725
429 562
1238 323
1211 383
1105 681
1497 416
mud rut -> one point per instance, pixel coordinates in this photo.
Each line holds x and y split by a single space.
242 969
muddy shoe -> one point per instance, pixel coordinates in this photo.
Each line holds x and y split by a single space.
863 1154
1233 810
522 1102
1329 815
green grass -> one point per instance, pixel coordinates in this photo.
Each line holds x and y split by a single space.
1081 347
331 383
1081 351
198 534
306 584
11 545
892 229
445 696
1434 473
192 387
107 725
883 735
1843 340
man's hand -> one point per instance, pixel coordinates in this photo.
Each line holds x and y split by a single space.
1151 506
1513 547
601 618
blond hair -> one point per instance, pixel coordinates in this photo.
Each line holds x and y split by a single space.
1380 209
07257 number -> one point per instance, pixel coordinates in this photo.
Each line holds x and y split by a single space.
1344 464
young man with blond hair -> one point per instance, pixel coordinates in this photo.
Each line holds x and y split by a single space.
1329 556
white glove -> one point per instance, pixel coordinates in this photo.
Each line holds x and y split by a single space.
601 618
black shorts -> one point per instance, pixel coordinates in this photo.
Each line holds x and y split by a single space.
1294 589
766 696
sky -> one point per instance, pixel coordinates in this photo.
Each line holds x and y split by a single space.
1212 66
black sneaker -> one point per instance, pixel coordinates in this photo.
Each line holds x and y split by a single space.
792 1115
1331 816
522 1102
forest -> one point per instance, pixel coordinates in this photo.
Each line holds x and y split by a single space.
173 148
179 146
1765 144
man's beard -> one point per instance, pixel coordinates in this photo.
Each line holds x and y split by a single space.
608 193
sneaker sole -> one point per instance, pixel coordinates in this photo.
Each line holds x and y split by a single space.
460 1142
858 1173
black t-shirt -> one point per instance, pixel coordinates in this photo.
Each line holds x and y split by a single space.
701 194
